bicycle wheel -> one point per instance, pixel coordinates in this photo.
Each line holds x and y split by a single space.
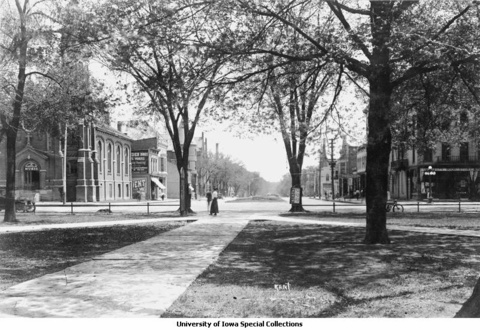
398 208
30 207
388 207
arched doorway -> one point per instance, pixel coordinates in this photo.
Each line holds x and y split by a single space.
31 176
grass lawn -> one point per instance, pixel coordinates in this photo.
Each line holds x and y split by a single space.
451 220
27 255
331 274
30 219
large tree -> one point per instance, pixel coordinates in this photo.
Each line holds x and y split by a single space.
44 79
385 43
26 41
273 90
151 42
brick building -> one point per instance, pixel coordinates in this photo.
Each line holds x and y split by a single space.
97 165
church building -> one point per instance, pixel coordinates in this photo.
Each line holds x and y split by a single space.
97 165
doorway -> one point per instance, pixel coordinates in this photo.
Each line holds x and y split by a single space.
31 176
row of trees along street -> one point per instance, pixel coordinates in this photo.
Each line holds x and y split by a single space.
279 65
268 64
229 176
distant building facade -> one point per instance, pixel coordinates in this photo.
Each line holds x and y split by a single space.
453 175
149 169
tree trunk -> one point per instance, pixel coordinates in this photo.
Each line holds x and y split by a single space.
12 128
379 133
378 152
471 308
11 137
184 194
296 175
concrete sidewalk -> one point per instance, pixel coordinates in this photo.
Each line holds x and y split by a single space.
139 280
144 279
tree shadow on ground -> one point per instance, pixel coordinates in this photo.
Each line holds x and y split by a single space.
333 258
27 255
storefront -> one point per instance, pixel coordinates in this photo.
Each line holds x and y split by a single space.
149 182
450 183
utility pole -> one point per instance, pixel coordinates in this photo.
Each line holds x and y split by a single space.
332 165
320 176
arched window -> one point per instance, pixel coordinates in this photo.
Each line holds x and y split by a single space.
119 163
99 156
125 159
109 157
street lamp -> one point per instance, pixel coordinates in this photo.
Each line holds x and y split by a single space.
430 172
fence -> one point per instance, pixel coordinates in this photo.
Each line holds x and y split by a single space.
106 207
409 206
460 206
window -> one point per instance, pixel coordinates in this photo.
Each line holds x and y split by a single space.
127 191
446 152
72 167
162 164
125 159
109 158
119 161
119 190
464 151
99 156
327 177
428 156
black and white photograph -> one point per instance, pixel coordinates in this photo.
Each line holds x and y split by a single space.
239 163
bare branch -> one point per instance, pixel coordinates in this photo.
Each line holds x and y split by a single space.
338 12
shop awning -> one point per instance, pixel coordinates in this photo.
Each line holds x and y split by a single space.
158 183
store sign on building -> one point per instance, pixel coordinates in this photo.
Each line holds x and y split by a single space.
31 166
140 162
139 184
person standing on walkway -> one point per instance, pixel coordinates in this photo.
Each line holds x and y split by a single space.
209 200
214 206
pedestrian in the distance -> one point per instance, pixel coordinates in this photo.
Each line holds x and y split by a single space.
209 200
214 206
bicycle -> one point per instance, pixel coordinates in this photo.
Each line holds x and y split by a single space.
394 207
25 205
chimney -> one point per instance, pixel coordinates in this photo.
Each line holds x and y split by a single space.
120 126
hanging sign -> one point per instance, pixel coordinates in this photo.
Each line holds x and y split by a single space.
295 196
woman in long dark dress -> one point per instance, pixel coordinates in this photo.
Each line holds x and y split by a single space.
214 206
209 200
